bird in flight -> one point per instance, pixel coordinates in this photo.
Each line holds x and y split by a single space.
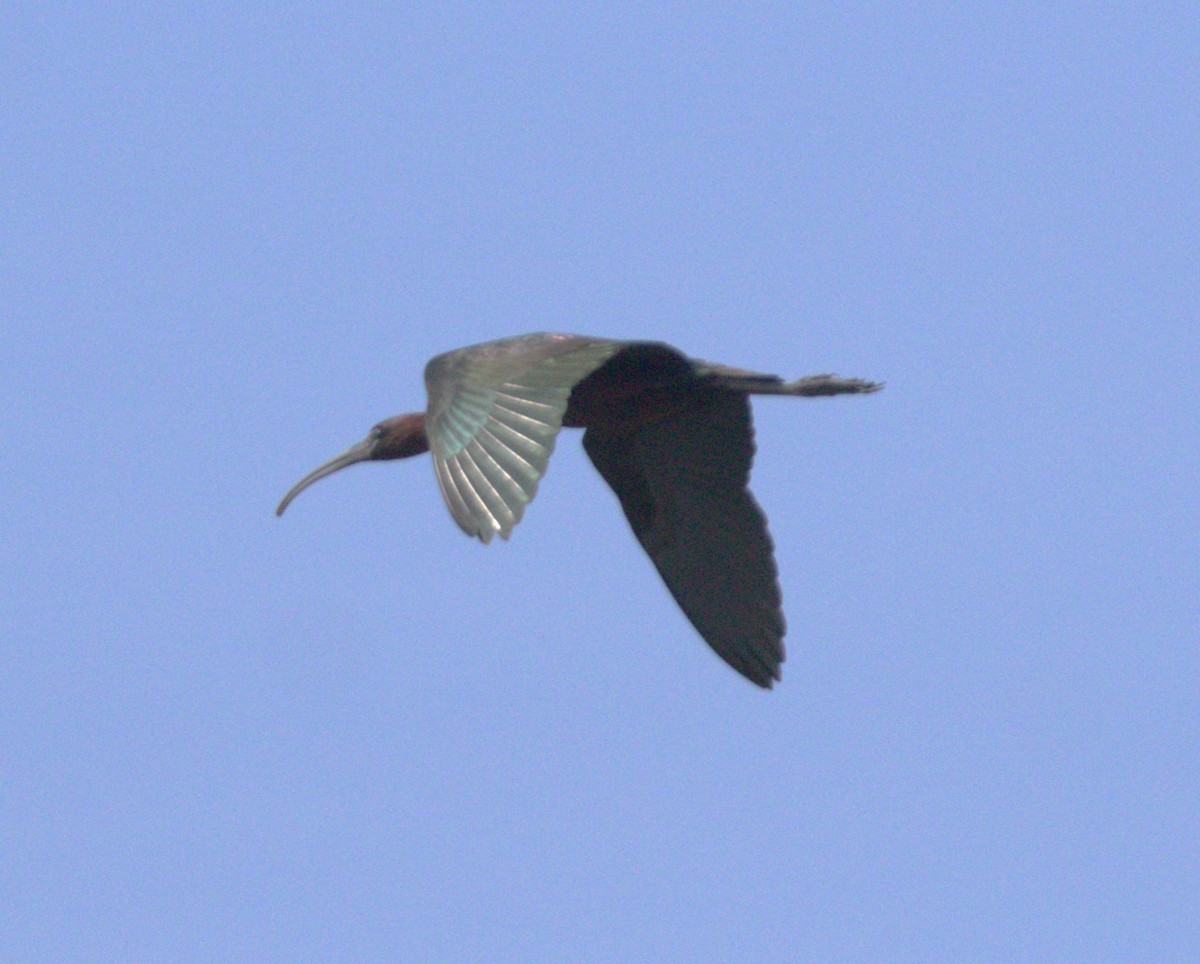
671 435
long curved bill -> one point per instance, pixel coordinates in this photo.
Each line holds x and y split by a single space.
356 453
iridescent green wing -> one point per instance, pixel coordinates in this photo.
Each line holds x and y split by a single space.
494 413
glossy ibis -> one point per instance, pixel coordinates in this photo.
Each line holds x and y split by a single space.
670 434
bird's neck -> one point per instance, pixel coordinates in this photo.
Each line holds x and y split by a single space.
401 437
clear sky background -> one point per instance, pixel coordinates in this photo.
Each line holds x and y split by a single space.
231 237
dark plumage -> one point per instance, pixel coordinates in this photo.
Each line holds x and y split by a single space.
671 435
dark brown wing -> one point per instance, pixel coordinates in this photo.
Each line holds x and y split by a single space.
682 482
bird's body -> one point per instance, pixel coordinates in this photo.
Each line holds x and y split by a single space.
671 435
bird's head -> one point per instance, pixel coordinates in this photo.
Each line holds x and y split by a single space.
398 437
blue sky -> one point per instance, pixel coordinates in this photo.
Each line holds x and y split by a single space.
232 237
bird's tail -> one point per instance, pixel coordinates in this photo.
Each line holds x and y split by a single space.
757 383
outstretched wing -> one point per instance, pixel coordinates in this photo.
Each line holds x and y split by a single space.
494 412
681 480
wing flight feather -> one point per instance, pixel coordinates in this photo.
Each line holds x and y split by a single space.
682 482
494 414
